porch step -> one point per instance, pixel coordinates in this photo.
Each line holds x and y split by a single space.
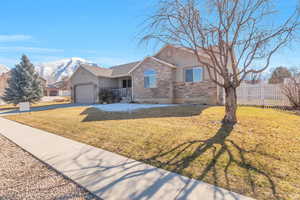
125 100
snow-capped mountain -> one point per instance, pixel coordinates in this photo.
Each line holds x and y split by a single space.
56 70
3 69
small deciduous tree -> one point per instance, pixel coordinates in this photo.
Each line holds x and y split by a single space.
228 37
279 74
24 84
254 78
291 87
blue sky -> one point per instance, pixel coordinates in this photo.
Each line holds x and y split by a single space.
100 31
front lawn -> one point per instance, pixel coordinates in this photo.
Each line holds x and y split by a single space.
37 105
258 157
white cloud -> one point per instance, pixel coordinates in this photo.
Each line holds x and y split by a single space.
14 38
22 49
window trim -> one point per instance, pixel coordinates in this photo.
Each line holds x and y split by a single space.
192 68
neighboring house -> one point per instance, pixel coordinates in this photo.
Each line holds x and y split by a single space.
3 84
60 88
291 80
173 75
43 83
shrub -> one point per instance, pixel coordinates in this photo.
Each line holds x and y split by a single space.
107 96
291 90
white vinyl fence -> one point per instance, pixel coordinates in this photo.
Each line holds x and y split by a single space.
261 95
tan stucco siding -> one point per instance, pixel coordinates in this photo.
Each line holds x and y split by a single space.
108 82
163 93
182 59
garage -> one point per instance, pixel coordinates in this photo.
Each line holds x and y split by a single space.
85 94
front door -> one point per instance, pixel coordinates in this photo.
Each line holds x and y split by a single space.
126 83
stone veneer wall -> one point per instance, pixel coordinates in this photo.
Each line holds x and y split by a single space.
201 93
163 93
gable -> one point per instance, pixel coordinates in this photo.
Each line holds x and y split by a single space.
178 56
81 75
153 59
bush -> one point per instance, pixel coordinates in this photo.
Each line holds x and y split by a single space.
107 96
291 90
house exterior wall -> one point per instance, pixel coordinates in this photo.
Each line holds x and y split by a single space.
52 91
201 93
108 82
204 92
182 60
84 77
171 85
164 91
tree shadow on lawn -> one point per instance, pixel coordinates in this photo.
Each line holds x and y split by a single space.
179 159
94 114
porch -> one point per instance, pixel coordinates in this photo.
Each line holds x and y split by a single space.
123 88
122 92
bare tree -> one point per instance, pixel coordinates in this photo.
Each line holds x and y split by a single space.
291 89
228 37
254 78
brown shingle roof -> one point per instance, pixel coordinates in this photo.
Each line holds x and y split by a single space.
120 70
115 71
98 71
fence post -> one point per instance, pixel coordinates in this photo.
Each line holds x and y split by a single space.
262 95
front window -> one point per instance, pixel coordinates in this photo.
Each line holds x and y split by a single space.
150 78
194 74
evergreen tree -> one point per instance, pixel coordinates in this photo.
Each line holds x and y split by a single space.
24 84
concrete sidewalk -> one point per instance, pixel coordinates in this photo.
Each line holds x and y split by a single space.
106 174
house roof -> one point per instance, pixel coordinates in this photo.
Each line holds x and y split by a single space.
121 70
126 69
115 71
97 71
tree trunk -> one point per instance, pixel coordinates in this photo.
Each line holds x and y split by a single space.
230 106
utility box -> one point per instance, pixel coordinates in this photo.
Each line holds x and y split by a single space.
24 106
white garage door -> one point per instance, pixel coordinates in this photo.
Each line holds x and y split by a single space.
84 94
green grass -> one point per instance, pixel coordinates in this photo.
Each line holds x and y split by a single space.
258 157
